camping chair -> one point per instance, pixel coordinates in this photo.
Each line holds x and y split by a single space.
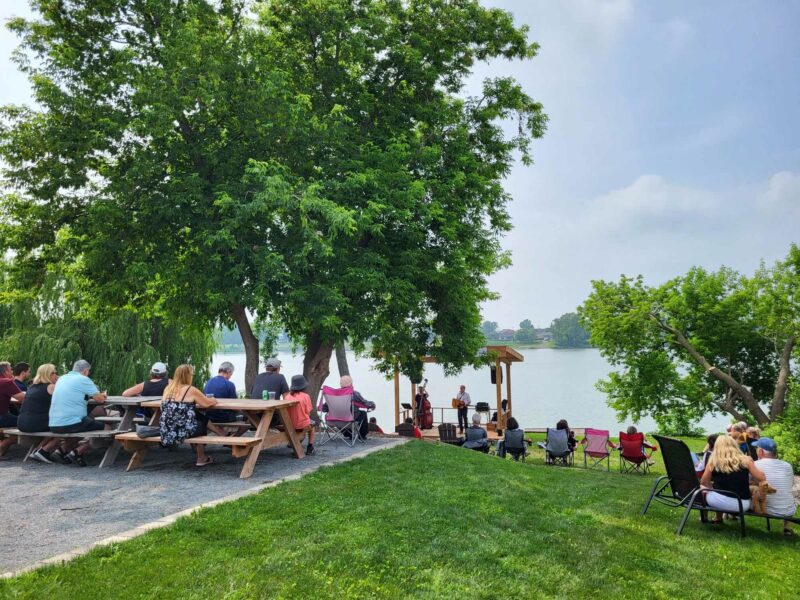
632 458
339 422
595 446
556 448
447 434
514 443
683 483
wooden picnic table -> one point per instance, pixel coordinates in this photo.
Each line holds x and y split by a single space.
128 407
259 414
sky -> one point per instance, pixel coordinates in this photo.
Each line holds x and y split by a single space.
673 141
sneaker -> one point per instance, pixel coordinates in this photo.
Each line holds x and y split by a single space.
76 458
309 449
59 454
42 456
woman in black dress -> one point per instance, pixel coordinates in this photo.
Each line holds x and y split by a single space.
33 414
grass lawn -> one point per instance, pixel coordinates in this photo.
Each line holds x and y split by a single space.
431 521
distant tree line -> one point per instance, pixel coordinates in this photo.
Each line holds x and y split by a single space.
565 332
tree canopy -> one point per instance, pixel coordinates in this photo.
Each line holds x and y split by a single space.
568 332
701 343
313 162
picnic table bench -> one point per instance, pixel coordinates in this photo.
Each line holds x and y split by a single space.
258 414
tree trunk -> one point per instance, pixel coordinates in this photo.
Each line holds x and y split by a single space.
250 342
743 392
316 363
341 360
782 384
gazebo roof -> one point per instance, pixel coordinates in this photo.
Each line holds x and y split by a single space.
506 354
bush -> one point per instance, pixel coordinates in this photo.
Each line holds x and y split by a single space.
786 431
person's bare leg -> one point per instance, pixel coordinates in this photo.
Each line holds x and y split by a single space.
6 444
202 457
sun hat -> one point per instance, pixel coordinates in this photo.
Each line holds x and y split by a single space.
273 363
766 444
299 383
159 368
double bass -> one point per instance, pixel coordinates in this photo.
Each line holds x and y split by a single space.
424 409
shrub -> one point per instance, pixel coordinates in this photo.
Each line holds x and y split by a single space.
786 431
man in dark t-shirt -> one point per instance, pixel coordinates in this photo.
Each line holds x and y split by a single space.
270 381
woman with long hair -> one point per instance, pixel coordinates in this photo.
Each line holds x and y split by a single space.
729 470
33 414
180 417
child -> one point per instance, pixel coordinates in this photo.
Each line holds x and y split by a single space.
300 413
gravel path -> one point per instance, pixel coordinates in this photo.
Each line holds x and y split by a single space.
51 509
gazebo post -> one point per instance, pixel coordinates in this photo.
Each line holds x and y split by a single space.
508 388
498 378
396 397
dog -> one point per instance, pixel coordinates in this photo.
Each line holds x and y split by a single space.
758 493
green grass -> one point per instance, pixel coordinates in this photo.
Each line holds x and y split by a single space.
431 521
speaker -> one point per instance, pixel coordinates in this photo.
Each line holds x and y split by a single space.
494 374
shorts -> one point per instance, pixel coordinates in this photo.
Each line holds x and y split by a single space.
722 503
216 415
85 424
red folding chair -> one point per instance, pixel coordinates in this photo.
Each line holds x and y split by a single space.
632 457
596 449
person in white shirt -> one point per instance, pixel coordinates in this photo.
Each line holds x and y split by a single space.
780 476
463 408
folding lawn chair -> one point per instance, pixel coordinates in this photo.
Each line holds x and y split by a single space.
514 443
632 458
339 421
556 448
447 434
596 449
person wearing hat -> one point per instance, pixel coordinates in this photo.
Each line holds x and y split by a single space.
780 476
270 381
154 386
300 413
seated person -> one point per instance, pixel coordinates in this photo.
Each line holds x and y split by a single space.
729 470
34 412
360 407
645 446
571 441
477 438
300 413
513 441
8 391
155 384
417 430
739 434
373 425
221 386
503 411
180 417
700 461
780 476
68 410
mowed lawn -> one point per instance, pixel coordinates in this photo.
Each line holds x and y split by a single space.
431 521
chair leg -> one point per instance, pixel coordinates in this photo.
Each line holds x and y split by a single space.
768 526
741 524
687 511
652 494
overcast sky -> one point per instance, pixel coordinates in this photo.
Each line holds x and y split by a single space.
674 140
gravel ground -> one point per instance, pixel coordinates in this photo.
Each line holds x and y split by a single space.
51 509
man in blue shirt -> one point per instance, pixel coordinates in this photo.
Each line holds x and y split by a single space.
221 386
68 407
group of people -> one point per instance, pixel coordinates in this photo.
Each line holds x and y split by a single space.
61 405
728 468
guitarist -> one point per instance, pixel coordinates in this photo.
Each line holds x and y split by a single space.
463 408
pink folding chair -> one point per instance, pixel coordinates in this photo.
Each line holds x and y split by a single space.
596 446
339 422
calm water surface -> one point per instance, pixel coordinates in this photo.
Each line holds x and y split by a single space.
549 385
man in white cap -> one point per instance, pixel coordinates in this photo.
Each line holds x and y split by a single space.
780 476
270 381
154 386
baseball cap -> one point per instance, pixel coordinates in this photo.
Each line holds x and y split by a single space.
766 444
273 363
159 368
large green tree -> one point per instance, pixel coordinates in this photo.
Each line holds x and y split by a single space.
702 343
311 161
568 332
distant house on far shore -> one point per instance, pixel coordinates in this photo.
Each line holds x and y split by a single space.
505 335
544 335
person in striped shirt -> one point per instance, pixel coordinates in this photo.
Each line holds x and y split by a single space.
780 476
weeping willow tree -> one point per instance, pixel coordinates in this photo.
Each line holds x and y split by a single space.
49 326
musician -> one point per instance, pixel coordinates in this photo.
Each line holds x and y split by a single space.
463 408
423 406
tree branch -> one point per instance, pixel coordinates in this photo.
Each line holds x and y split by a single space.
782 384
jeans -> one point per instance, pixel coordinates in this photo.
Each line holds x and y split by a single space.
8 420
462 419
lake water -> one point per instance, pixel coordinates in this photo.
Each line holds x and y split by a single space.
549 385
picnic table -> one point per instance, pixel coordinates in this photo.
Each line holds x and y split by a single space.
257 412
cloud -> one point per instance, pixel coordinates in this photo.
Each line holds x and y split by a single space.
782 195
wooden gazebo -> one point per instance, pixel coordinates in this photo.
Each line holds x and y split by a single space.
501 354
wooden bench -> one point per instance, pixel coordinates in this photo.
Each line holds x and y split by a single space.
30 439
240 446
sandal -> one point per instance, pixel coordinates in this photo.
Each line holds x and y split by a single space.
208 461
787 532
